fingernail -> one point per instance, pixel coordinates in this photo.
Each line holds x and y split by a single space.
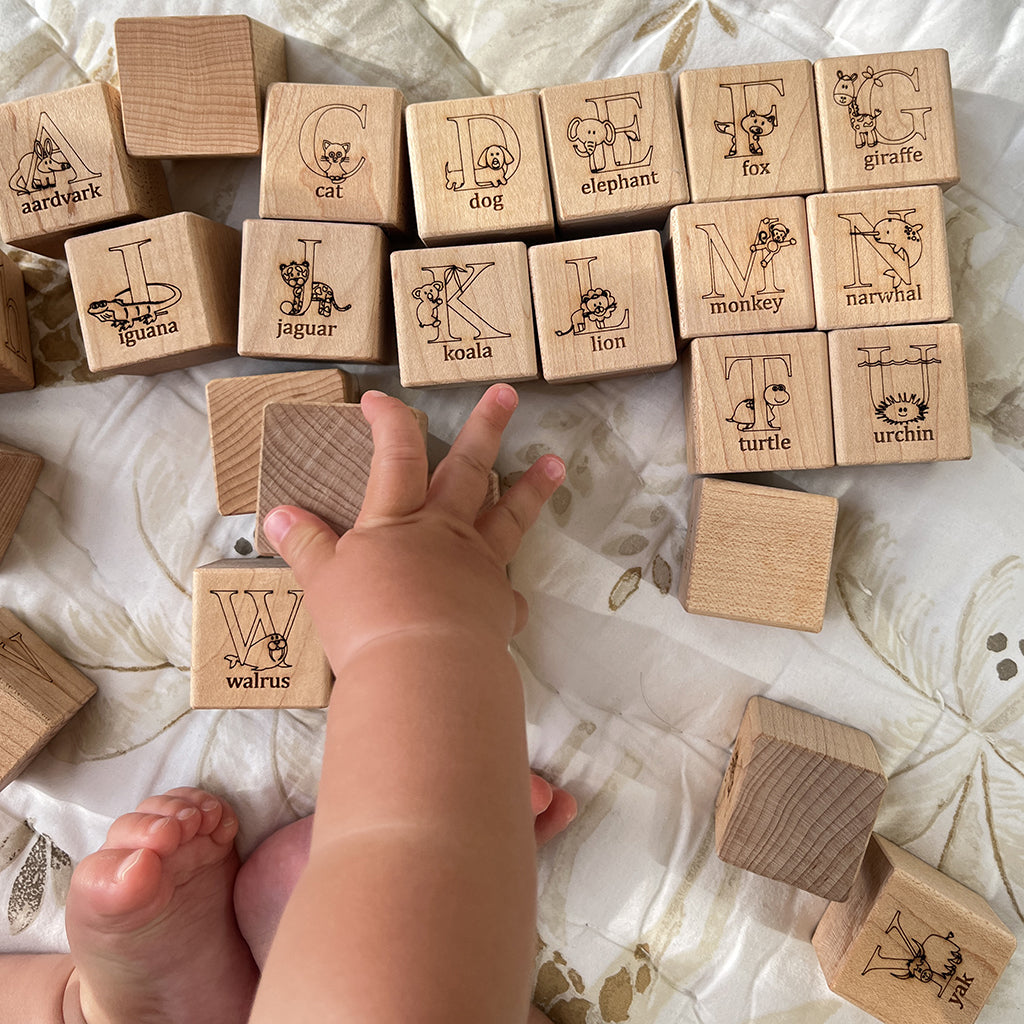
186 813
555 469
157 825
506 396
373 394
276 524
127 864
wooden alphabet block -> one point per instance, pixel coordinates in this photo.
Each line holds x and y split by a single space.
316 457
157 296
879 257
194 86
253 642
799 799
463 314
911 944
314 290
337 153
615 153
19 471
479 169
751 131
602 307
39 694
16 370
899 394
742 267
235 410
887 120
70 169
758 554
757 402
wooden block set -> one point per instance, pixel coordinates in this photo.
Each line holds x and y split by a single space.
901 940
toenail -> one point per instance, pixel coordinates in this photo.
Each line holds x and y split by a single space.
127 864
158 824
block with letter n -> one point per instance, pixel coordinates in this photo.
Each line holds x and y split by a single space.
742 267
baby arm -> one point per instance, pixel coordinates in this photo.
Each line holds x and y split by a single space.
418 902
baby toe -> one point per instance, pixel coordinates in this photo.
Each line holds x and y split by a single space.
136 831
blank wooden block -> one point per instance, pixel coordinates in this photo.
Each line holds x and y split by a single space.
758 554
751 131
253 642
69 171
194 86
316 457
479 169
463 314
19 471
879 257
799 799
899 394
602 307
615 153
313 290
157 296
911 945
16 371
336 153
235 410
757 402
39 693
887 120
742 267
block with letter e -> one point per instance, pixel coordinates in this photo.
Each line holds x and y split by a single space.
314 290
799 800
615 153
879 257
757 402
912 944
750 130
899 394
68 170
337 153
602 307
887 120
742 267
39 694
463 314
479 169
157 296
253 642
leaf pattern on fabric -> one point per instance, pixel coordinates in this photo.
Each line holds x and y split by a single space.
26 897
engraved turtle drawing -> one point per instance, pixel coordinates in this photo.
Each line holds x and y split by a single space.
744 414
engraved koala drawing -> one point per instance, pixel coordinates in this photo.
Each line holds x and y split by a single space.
428 297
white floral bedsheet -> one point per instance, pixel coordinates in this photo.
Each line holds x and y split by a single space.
633 704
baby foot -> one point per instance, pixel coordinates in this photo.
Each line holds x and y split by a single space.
267 878
150 918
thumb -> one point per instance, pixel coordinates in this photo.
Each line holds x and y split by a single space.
302 539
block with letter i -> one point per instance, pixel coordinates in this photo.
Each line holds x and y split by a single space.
879 257
615 153
19 471
899 394
40 693
602 307
316 457
742 267
463 314
479 170
757 402
758 554
912 944
751 130
194 86
235 410
69 171
336 152
157 296
16 370
887 120
253 642
799 800
314 290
